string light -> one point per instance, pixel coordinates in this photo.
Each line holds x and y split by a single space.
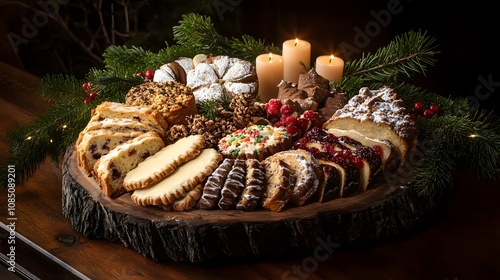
28 138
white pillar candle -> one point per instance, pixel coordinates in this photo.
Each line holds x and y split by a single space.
330 67
269 68
295 52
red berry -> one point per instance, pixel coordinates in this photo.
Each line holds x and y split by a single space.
286 110
88 100
418 108
303 124
427 113
149 74
309 114
434 108
290 120
86 86
140 74
93 95
273 110
292 129
279 124
275 102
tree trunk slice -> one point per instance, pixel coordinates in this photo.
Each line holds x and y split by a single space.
388 208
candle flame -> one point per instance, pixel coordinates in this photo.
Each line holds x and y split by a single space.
296 41
270 57
331 58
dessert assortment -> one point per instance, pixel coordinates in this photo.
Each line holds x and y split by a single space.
308 145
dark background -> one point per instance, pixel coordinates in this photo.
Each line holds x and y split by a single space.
466 33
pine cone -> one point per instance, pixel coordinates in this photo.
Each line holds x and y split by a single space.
177 132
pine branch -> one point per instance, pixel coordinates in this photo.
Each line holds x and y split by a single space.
408 54
198 32
248 48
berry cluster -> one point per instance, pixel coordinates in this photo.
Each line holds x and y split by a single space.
148 75
419 109
280 114
91 95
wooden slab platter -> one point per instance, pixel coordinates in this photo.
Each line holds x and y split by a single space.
388 208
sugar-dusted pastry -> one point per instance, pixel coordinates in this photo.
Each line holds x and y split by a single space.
378 114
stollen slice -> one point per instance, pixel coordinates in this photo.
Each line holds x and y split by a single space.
184 179
163 163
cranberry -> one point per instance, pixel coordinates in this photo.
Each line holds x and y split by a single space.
418 108
434 108
149 74
86 86
140 74
291 120
279 124
292 129
309 114
286 110
273 110
427 113
275 102
303 124
93 95
88 100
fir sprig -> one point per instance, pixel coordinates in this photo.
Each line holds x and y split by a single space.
468 140
405 56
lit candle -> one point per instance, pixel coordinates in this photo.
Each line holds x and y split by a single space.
295 52
330 67
269 68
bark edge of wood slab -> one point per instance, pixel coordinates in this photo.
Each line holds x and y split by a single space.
385 210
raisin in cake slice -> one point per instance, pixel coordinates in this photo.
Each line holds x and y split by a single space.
164 162
97 143
111 169
184 179
378 114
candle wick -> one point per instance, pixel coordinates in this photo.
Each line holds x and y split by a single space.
330 61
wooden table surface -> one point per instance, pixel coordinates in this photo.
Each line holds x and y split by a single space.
461 240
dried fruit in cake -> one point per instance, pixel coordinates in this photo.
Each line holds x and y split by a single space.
111 169
175 101
278 185
213 77
184 179
97 143
164 162
378 114
213 186
255 141
254 185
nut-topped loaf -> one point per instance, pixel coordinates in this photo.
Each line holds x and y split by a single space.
175 101
378 114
